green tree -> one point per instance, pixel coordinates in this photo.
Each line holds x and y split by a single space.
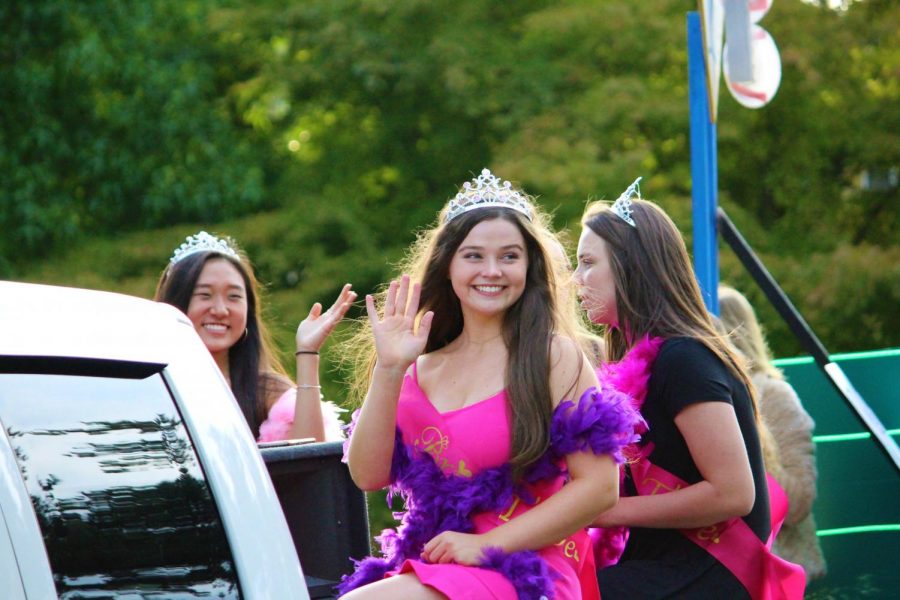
113 119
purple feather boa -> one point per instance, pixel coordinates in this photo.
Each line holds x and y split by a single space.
629 376
602 422
526 570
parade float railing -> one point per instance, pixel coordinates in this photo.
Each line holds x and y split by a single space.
857 510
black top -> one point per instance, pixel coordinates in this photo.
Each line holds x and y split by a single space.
663 563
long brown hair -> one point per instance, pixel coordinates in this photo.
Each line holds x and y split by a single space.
656 290
253 367
744 331
528 326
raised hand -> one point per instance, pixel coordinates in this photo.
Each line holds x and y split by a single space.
397 342
317 326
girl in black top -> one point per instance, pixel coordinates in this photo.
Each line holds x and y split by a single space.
635 277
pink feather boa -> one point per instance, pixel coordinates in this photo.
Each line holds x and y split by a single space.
628 376
277 426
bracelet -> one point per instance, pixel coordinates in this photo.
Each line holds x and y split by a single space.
299 352
308 386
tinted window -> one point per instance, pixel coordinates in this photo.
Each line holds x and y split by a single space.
121 500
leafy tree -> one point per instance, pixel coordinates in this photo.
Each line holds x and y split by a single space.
113 119
359 117
798 164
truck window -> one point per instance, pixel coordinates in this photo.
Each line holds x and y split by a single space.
121 499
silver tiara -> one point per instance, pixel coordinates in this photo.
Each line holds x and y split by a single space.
622 205
202 242
485 191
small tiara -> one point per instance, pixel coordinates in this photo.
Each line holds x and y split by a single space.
622 205
485 191
202 242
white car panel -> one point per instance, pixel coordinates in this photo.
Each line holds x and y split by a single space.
39 320
26 563
9 565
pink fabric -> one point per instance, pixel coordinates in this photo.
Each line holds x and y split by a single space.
609 544
466 441
460 582
630 376
778 506
732 543
277 426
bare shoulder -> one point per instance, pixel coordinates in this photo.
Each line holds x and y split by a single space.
426 364
564 350
570 371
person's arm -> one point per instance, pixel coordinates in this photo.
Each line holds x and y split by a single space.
716 445
372 442
791 428
308 408
592 488
397 343
311 334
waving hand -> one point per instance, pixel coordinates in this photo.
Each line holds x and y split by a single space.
397 341
317 326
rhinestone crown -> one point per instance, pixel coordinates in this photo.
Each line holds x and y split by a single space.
622 205
484 191
202 242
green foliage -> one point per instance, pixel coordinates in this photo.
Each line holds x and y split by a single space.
849 312
797 165
358 118
114 118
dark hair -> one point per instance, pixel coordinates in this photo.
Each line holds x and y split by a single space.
528 327
656 290
251 363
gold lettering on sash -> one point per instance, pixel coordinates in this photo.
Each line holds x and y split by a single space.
508 514
657 485
571 551
462 471
711 532
570 548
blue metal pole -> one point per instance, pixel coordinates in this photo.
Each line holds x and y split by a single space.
704 168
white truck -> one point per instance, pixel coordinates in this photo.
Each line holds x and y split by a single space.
127 470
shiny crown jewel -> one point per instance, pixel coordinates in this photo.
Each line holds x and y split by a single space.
485 191
622 205
202 242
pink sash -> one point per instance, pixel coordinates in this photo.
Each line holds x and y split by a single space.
778 506
732 542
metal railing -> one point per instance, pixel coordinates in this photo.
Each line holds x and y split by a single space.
807 338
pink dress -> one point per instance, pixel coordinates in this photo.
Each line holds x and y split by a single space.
452 470
464 442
